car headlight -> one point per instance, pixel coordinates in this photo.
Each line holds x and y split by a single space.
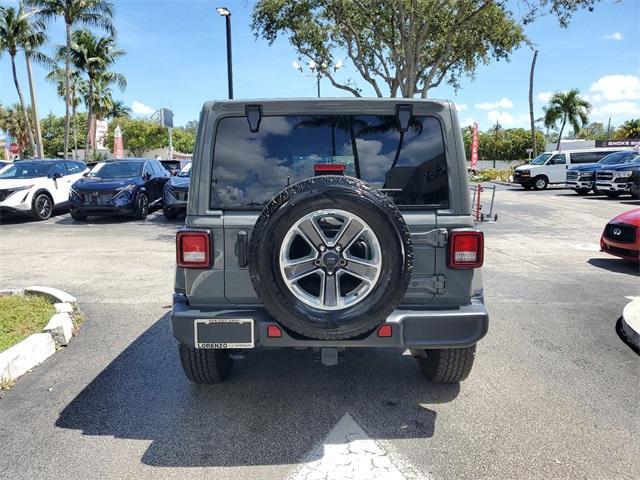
74 193
124 191
524 172
625 174
19 189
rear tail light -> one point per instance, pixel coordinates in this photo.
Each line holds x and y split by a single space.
466 249
193 249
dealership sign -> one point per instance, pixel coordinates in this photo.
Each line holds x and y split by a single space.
617 143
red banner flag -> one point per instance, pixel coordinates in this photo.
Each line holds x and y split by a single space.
474 147
118 148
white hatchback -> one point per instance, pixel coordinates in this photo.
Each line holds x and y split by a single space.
37 187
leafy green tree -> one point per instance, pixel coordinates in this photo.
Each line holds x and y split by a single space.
184 140
53 132
593 131
629 129
510 144
93 13
77 85
138 135
118 110
16 28
409 47
567 107
15 120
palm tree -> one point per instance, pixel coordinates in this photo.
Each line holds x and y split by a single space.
15 29
31 46
629 130
97 13
15 120
93 55
58 76
118 110
568 107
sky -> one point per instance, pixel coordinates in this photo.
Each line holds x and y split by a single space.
176 58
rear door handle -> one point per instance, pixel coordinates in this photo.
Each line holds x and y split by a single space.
242 246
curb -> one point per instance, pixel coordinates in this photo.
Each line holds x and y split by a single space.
36 348
631 323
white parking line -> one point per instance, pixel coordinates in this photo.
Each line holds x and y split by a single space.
589 247
347 453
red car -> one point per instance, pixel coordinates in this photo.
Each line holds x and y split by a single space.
621 236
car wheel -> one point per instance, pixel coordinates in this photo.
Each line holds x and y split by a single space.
169 214
581 191
330 257
78 217
205 366
612 194
142 207
540 183
447 365
42 207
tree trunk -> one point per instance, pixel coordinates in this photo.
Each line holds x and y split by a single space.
24 109
34 106
67 91
75 132
564 122
534 147
89 136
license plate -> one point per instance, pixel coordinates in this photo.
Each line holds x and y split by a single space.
213 333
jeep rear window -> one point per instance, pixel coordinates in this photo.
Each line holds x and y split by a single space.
250 168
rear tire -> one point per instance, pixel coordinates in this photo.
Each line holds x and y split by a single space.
581 191
205 366
447 365
540 183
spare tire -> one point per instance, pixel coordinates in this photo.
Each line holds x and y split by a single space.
330 257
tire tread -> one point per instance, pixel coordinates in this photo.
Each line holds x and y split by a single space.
448 365
205 366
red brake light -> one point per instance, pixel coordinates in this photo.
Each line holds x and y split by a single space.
193 249
273 331
329 168
385 330
466 249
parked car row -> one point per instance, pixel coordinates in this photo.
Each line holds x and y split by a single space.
131 187
612 173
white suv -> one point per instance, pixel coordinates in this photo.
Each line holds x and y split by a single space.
37 187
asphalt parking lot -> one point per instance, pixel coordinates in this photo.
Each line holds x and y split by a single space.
553 394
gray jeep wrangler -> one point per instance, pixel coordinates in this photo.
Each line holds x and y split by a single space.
327 224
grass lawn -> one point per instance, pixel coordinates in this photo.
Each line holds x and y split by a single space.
20 316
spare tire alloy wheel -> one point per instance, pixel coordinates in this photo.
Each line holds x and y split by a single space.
330 257
347 265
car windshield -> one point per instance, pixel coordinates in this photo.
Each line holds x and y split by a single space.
618 157
186 170
541 159
117 170
26 170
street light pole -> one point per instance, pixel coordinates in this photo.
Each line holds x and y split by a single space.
319 77
224 11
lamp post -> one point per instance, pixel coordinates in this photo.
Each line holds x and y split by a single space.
316 70
224 12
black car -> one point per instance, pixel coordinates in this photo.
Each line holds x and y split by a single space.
176 192
128 186
171 166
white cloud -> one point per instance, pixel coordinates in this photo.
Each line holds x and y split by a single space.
502 103
614 36
545 96
505 118
618 87
617 108
467 122
461 107
140 108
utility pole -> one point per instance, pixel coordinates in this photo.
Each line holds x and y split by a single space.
534 147
608 129
224 11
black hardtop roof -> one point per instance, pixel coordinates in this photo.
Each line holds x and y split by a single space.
359 105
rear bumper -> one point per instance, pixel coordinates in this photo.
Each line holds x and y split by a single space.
416 329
